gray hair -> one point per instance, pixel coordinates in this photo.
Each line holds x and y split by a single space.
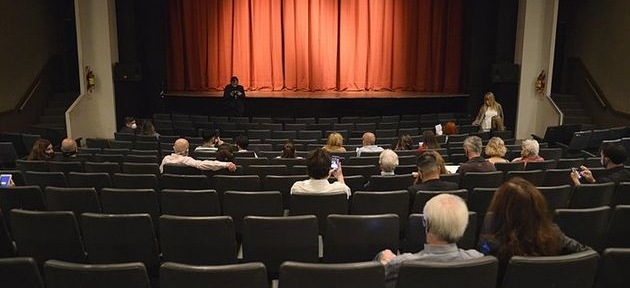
473 143
531 146
447 217
388 159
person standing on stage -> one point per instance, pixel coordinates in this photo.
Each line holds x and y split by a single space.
234 95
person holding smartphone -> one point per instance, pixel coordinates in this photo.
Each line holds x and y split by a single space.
613 156
320 166
6 180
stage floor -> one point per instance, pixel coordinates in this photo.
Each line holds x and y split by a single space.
324 94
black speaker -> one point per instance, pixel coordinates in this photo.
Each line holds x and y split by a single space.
506 73
127 72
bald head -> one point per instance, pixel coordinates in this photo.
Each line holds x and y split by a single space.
68 146
181 147
369 139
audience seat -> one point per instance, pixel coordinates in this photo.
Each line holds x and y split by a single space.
355 238
320 205
186 182
135 181
140 168
20 273
44 179
198 240
382 202
189 202
389 183
619 230
129 201
247 275
613 269
557 177
239 204
96 180
568 271
7 248
32 165
536 177
542 165
104 167
347 275
473 180
282 184
622 194
72 275
415 235
473 273
587 226
273 240
557 197
77 200
592 195
422 197
47 235
20 197
224 183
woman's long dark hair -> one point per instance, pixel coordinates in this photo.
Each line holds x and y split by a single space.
430 141
288 150
520 222
38 152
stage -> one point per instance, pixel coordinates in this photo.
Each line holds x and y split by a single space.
319 103
324 94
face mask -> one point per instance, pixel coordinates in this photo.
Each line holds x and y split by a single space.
134 126
604 162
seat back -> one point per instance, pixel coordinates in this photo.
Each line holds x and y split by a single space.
587 226
135 181
557 177
473 273
567 271
224 183
592 195
20 197
613 269
273 240
557 196
247 275
44 179
187 182
181 170
536 177
106 167
320 205
190 202
472 180
347 275
32 165
282 184
389 183
20 273
382 202
355 238
77 200
619 230
239 204
65 167
120 238
83 180
71 275
198 240
140 168
622 194
509 166
47 235
130 201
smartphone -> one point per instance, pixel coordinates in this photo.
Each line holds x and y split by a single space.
420 144
576 170
334 163
5 180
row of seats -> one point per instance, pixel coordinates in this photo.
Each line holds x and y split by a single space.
308 120
581 270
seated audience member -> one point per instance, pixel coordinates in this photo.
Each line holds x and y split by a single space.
288 151
489 109
130 126
450 128
69 149
369 144
612 157
404 143
149 130
429 142
180 157
445 220
388 161
211 141
225 153
496 150
476 163
429 176
529 152
242 142
519 224
318 166
334 143
42 150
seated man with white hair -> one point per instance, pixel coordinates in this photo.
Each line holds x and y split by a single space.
445 220
529 152
388 161
180 158
369 144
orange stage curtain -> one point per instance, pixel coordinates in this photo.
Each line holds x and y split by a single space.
315 45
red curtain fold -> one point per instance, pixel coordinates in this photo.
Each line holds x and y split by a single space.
314 45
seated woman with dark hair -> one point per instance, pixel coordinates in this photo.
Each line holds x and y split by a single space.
225 153
404 143
429 142
149 130
288 151
42 150
519 224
